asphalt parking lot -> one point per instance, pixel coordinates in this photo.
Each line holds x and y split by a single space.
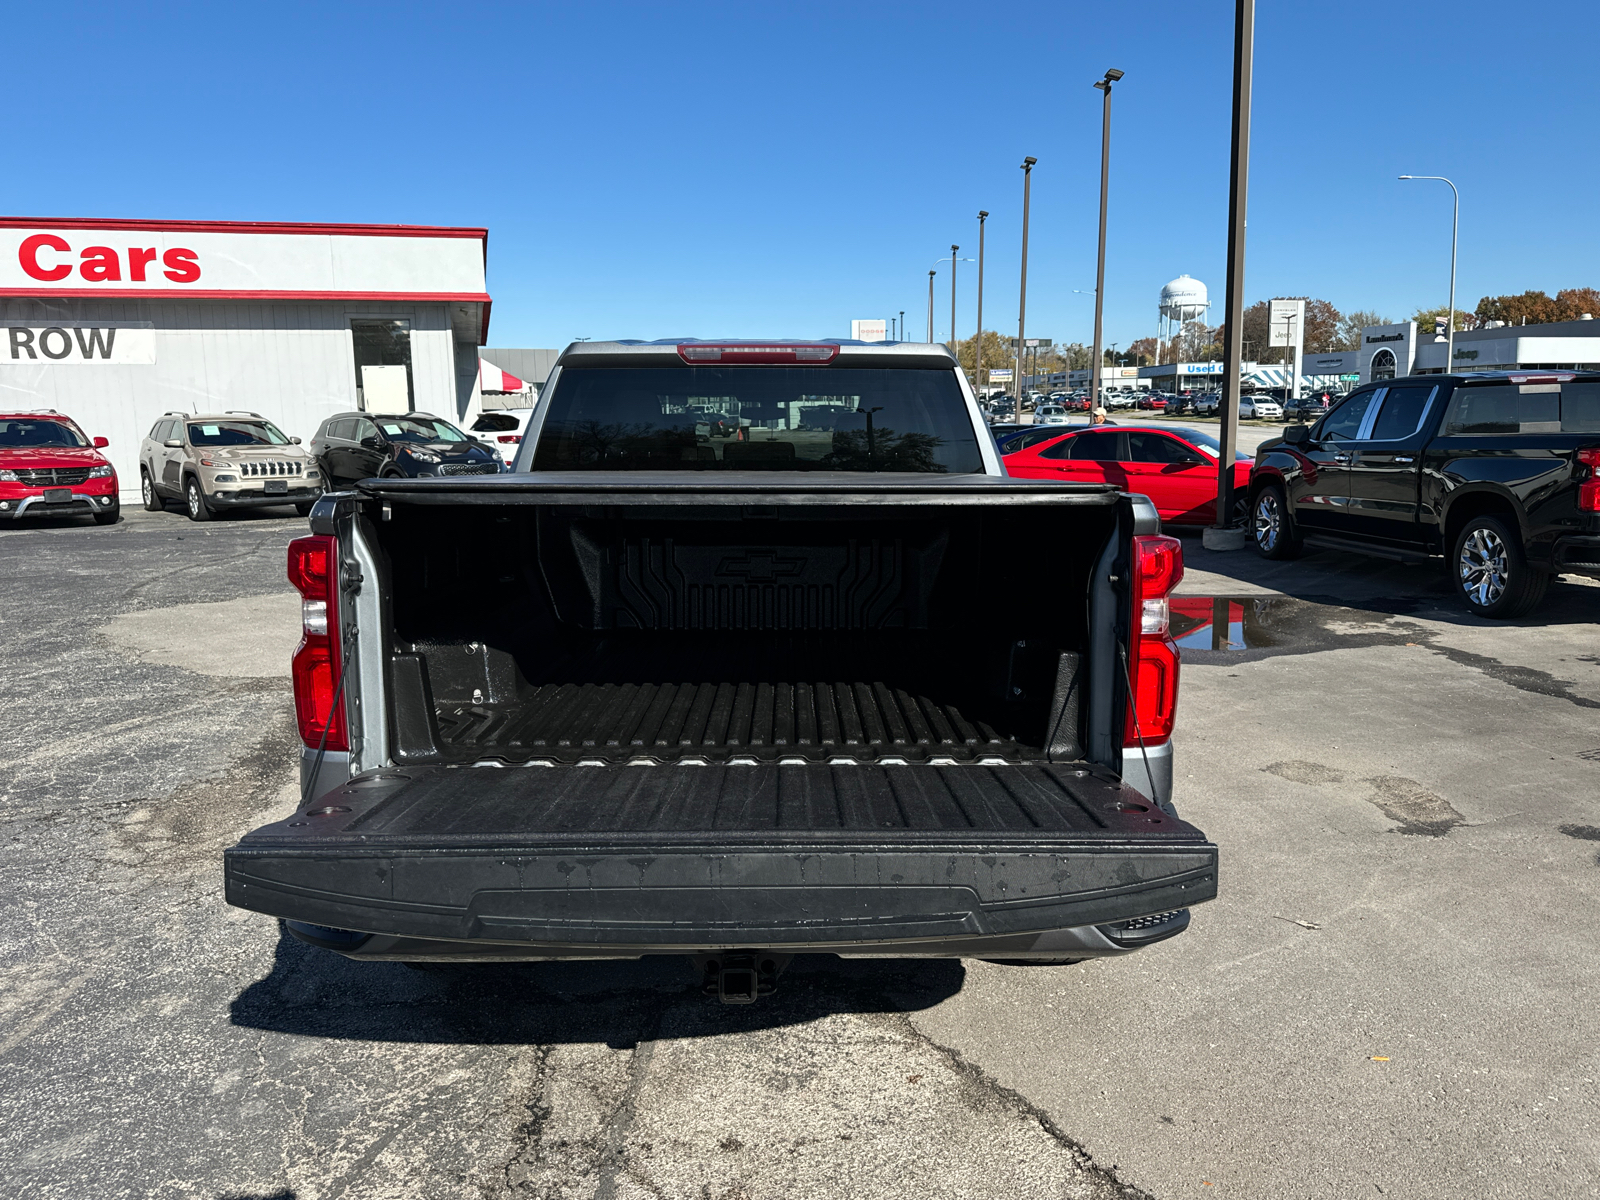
1393 995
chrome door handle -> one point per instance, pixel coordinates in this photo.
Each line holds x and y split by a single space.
1405 458
1341 458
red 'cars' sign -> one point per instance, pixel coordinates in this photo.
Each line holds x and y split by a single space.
49 258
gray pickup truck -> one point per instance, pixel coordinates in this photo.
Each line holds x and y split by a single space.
813 676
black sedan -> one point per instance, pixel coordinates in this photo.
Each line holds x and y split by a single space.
355 445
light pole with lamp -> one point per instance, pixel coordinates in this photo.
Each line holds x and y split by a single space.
977 342
1022 302
931 274
1455 225
1100 272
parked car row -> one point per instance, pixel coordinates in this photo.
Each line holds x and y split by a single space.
212 463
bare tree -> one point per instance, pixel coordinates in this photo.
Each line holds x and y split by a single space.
1351 325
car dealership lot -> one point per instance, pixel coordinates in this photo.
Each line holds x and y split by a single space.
1389 994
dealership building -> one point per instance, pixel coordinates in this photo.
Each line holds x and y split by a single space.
116 322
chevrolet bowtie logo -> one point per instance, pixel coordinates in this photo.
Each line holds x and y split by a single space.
760 565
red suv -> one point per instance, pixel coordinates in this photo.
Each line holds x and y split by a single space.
50 468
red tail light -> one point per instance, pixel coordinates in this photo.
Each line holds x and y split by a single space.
1589 489
1152 655
313 569
778 354
509 438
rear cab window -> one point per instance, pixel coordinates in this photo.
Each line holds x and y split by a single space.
1509 408
761 418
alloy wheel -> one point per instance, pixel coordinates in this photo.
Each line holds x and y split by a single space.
1269 522
148 493
1483 567
193 494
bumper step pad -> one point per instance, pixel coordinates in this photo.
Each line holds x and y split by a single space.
641 859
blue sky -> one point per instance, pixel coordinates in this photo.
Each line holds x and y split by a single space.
651 170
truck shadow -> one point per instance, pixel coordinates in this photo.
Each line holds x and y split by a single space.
316 993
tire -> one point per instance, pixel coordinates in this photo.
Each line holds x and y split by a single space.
152 498
1491 570
195 500
1239 512
1270 526
304 510
109 516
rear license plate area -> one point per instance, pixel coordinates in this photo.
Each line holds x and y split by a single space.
58 495
276 487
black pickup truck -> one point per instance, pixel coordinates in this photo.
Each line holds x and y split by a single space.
818 680
1496 471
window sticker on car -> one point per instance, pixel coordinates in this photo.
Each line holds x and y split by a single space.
391 429
210 430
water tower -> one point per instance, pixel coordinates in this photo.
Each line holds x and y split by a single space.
1184 299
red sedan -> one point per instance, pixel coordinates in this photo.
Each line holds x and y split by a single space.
1175 467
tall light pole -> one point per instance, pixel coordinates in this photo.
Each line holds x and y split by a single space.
1100 272
1244 33
931 274
977 342
953 261
902 336
1455 224
1022 303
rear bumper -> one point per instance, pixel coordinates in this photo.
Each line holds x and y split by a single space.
1577 555
378 857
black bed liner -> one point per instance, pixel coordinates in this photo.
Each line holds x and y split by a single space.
733 855
762 722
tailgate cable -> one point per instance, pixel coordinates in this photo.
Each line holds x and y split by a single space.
1133 704
322 745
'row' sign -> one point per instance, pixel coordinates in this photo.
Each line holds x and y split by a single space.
77 345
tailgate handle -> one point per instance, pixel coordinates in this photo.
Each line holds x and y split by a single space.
1405 458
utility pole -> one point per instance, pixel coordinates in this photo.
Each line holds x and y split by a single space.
953 250
1022 303
977 342
1244 32
1100 271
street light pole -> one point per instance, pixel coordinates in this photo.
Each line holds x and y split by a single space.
977 342
1022 303
1244 32
1100 272
902 336
930 306
1455 224
953 261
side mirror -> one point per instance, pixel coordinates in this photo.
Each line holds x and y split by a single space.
294 441
101 443
1297 435
173 443
371 442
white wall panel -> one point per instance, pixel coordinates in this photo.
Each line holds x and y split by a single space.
291 362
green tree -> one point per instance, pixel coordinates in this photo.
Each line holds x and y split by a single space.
996 353
1351 325
1530 308
1425 317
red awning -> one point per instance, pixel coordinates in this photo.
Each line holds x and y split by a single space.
492 379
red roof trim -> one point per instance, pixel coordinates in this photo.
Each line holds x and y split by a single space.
284 227
204 294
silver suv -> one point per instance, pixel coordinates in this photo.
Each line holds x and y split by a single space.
226 460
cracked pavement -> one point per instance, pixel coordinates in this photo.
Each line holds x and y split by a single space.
1390 997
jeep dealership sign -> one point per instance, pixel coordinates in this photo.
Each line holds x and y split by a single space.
238 260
